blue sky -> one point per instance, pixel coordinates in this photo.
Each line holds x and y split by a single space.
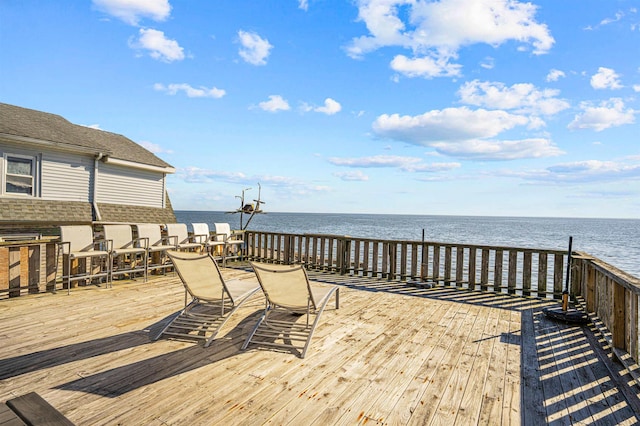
461 107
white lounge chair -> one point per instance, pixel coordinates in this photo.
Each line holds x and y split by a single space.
78 247
183 240
213 300
127 254
288 291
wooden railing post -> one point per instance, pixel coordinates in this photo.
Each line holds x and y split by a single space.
484 270
459 265
393 260
497 271
447 265
344 255
618 326
424 266
512 272
286 258
472 268
526 274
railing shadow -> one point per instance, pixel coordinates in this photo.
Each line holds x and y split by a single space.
568 377
435 292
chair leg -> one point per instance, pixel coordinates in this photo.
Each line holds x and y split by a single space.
255 328
69 274
313 327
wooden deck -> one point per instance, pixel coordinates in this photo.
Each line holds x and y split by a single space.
392 354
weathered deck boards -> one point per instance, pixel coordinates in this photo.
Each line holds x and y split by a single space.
391 354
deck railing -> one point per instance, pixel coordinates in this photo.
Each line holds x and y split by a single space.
612 295
27 267
520 271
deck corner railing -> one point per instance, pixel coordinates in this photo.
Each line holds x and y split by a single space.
613 296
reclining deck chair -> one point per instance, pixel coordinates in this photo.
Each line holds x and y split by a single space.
77 244
287 289
214 300
180 233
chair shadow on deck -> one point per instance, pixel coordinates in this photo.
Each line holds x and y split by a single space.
28 363
121 380
48 358
126 378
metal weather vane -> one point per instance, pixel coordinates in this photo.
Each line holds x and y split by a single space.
250 209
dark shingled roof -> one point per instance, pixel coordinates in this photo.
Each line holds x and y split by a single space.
26 213
42 126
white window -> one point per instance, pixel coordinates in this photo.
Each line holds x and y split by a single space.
20 175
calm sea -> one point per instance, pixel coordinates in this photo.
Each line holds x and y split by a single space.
616 241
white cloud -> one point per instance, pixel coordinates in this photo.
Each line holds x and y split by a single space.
352 176
434 167
274 104
289 186
462 132
255 49
155 148
303 4
583 172
198 175
191 92
131 11
618 16
408 164
555 75
636 87
446 125
435 31
376 161
158 45
425 67
600 117
492 150
330 107
488 63
522 97
605 78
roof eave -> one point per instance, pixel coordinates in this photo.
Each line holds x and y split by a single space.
148 167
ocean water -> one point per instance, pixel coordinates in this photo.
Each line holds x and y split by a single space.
616 241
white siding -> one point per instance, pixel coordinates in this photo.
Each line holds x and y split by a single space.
66 177
124 185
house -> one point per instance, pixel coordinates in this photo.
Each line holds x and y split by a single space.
54 172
